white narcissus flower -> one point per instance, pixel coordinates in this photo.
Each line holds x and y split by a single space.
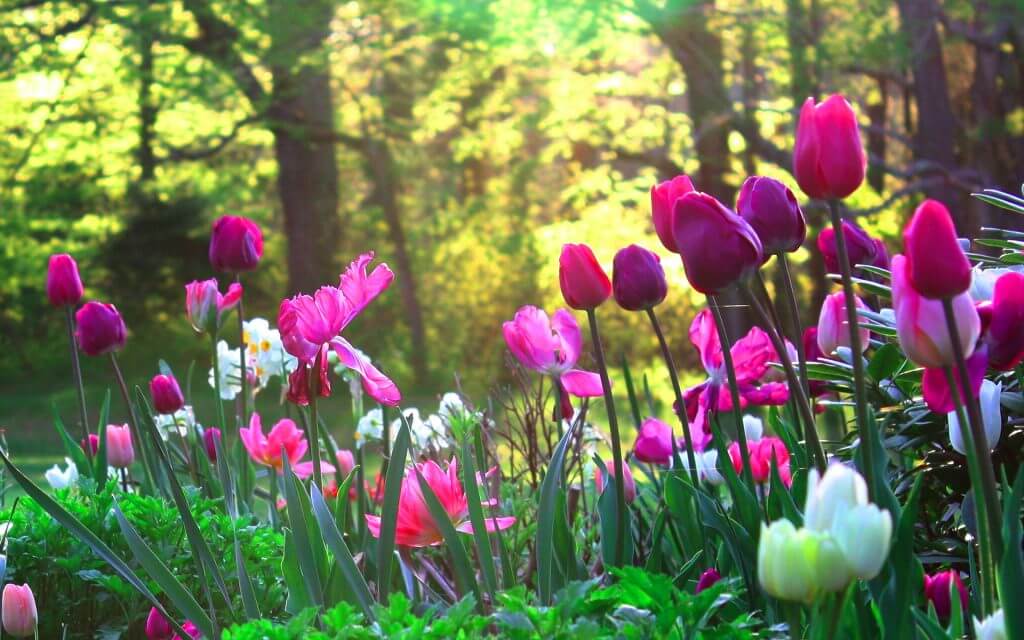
991 418
991 628
707 466
227 362
62 479
370 427
181 421
451 405
264 351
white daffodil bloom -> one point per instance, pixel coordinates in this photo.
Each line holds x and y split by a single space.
370 427
991 418
62 478
227 362
264 351
180 422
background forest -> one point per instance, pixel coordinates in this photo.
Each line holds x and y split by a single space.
463 141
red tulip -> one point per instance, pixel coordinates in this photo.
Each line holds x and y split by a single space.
583 281
100 328
937 589
166 394
828 158
638 280
717 246
772 210
663 201
63 284
236 244
1006 317
936 265
860 247
211 436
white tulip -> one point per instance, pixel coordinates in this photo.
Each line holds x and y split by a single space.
62 479
830 496
991 628
864 534
991 417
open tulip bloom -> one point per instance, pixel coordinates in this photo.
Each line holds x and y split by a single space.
284 442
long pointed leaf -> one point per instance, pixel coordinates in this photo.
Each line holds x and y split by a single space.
389 512
100 461
74 450
300 530
546 517
342 555
476 517
460 559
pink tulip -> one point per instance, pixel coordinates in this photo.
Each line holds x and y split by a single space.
663 201
761 454
717 246
860 247
834 328
551 347
166 394
211 437
157 626
584 283
937 589
20 617
707 579
772 210
628 484
100 328
120 453
236 244
936 265
654 442
828 157
415 525
813 353
935 386
191 629
1003 335
638 280
921 323
283 437
63 284
206 307
309 324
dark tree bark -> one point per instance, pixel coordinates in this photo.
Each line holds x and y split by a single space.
877 140
147 108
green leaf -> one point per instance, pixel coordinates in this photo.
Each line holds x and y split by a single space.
886 362
476 517
250 605
299 526
342 555
634 406
73 449
389 511
100 461
607 508
1011 568
546 517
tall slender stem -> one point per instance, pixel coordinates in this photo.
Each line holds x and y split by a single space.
133 422
314 419
980 448
734 391
216 384
794 314
609 402
76 368
243 373
860 389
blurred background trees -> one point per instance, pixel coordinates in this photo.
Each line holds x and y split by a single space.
462 141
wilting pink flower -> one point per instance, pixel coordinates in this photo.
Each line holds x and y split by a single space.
211 436
833 326
654 442
19 611
236 244
628 484
772 210
750 354
191 629
166 394
707 579
284 442
860 247
415 526
1003 334
309 324
298 380
206 306
935 386
120 453
663 201
94 443
63 284
100 328
936 265
828 157
717 246
638 280
921 323
584 283
937 589
761 453
157 626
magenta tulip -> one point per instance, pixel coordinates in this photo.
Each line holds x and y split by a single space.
206 306
20 616
936 265
663 201
192 632
833 327
94 443
638 280
772 210
629 485
63 284
1006 317
100 328
717 246
120 453
211 437
157 626
828 158
937 590
584 283
860 247
707 579
654 443
166 394
236 244
935 386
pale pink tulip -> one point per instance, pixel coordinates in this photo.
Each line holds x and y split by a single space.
120 453
551 347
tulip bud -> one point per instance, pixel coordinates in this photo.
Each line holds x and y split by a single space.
346 462
638 281
94 444
584 284
787 562
1004 336
707 579
201 304
236 244
829 496
834 327
663 200
63 285
100 328
654 442
629 485
191 629
921 323
120 453
772 210
937 589
989 396
211 436
157 626
828 157
19 611
936 265
991 628
166 394
717 246
860 247
864 534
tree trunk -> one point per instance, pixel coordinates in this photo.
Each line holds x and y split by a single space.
147 109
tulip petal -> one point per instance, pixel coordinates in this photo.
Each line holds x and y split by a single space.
582 384
359 288
937 394
491 524
375 383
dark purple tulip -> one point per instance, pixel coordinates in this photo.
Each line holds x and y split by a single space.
236 244
860 247
708 578
638 280
772 210
211 436
717 246
100 328
166 394
63 285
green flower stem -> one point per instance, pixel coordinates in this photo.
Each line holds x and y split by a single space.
314 420
794 313
216 385
133 422
243 374
609 401
76 368
860 388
